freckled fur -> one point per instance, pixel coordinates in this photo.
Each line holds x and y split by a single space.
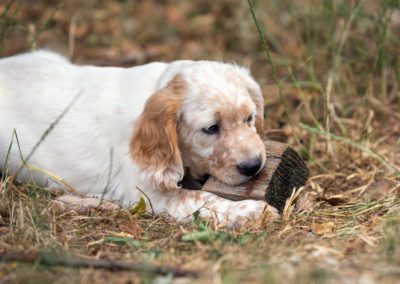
237 141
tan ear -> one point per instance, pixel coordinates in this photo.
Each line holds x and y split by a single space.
256 95
154 143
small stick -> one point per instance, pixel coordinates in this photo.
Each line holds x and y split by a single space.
50 259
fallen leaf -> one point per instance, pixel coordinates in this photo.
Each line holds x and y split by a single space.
335 199
322 228
140 207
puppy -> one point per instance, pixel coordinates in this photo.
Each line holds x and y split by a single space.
120 132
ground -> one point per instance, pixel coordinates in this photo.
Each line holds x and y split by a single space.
330 74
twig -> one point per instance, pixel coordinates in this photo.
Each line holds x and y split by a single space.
333 72
51 259
287 211
54 177
35 36
148 199
106 188
267 52
71 38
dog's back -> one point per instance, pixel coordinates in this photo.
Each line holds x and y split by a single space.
88 147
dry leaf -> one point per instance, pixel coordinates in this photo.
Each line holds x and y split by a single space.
336 199
322 228
140 207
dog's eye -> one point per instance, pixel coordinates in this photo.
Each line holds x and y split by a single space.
250 118
212 129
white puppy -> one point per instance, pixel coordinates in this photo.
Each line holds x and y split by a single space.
142 127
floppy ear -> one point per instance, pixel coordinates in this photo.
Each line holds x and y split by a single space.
256 95
154 143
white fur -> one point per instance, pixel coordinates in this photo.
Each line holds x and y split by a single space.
89 147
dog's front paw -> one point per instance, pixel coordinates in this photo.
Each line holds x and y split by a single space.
248 213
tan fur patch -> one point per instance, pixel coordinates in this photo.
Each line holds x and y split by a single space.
154 142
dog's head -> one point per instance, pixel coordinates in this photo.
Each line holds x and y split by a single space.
207 119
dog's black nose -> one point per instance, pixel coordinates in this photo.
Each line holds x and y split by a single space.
250 167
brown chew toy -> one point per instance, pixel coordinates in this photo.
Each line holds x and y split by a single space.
284 171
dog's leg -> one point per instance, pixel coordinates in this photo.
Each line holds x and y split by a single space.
181 206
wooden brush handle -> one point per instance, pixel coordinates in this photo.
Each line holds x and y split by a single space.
284 171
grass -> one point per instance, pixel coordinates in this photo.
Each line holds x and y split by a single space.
330 74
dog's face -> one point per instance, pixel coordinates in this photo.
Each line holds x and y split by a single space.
205 120
217 131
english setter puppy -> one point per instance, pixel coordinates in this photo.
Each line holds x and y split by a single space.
134 130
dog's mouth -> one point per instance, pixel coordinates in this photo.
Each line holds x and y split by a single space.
191 183
203 180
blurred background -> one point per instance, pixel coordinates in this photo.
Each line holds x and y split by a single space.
331 82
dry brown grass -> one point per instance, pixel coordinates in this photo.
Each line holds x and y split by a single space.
337 68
